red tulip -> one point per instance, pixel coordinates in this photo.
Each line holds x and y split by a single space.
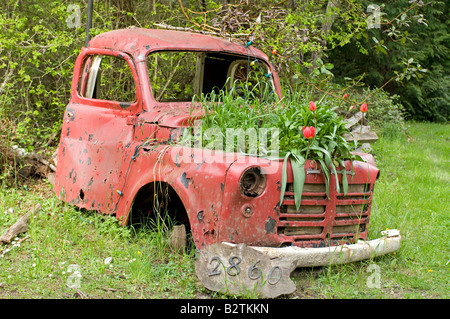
345 96
363 108
274 51
312 106
309 131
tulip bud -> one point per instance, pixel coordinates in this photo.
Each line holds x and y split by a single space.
352 107
309 132
345 96
274 51
363 108
312 106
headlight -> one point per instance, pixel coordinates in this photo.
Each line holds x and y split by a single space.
252 182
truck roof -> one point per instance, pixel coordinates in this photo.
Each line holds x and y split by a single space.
140 41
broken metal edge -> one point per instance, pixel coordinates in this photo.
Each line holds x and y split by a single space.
311 257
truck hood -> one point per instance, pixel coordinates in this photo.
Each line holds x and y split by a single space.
173 115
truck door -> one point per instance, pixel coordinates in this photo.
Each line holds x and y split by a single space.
96 132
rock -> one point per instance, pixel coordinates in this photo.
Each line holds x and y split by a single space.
362 135
242 270
354 120
177 238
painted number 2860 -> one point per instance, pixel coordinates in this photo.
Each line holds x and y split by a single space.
254 272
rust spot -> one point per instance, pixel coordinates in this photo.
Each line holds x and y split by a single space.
125 105
270 226
185 180
200 216
176 160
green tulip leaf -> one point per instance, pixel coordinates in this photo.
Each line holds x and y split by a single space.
284 177
298 172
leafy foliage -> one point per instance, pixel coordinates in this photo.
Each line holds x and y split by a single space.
36 64
418 39
296 32
228 110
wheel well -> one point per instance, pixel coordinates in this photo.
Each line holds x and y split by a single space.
156 202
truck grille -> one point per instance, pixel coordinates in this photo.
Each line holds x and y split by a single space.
323 222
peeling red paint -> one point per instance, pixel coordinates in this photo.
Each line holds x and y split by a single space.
111 153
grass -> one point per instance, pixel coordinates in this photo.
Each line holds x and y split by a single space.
411 195
142 265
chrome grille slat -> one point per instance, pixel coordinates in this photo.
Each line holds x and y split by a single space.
321 221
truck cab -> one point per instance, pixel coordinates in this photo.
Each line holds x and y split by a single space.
133 93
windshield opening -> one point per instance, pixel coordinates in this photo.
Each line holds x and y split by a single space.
177 76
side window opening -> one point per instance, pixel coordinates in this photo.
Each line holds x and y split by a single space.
108 78
182 76
172 75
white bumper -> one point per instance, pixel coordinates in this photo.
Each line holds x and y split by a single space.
309 257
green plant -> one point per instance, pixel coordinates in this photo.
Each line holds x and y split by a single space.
227 110
385 112
418 37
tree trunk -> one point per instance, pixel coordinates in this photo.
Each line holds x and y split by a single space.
123 7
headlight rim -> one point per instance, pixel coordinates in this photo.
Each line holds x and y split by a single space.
252 182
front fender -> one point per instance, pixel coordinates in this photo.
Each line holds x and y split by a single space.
196 175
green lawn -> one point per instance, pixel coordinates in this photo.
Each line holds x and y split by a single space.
411 195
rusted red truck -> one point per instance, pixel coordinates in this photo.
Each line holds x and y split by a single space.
132 92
